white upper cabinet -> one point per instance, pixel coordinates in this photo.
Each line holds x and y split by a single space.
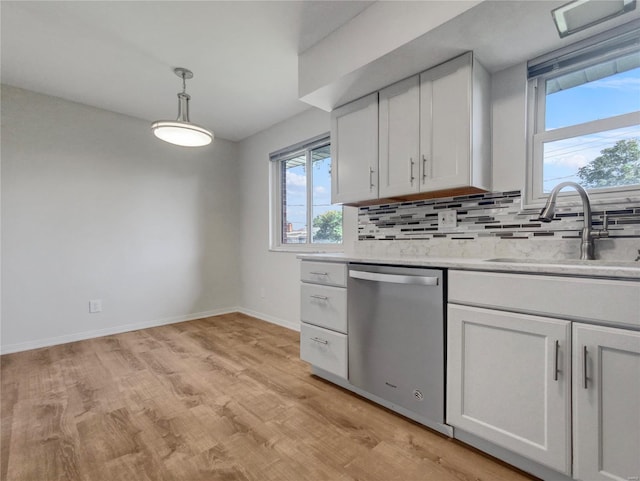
432 134
455 126
354 151
400 138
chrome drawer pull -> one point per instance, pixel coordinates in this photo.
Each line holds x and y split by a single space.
321 341
319 273
322 298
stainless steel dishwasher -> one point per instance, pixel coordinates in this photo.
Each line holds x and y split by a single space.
396 338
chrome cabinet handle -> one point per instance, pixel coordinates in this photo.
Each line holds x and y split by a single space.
371 171
555 368
319 273
322 298
411 176
321 341
584 367
424 169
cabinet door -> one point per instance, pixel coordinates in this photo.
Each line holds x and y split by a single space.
606 396
399 138
508 382
445 116
354 150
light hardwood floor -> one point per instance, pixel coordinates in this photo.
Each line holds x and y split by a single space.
217 399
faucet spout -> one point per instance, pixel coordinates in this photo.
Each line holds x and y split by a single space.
549 210
588 234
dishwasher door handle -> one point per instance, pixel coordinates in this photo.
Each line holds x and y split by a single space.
394 278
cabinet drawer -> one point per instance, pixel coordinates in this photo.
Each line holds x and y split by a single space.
324 306
602 300
328 273
324 349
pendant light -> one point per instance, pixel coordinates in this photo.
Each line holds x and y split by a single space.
182 131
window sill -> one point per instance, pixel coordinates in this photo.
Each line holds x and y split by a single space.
307 249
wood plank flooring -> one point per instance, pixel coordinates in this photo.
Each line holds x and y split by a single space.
219 399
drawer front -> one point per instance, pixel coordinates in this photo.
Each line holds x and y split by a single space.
601 300
328 273
324 306
324 349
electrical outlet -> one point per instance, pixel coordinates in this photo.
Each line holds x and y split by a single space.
447 219
95 305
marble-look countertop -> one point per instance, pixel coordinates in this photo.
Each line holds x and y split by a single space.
598 268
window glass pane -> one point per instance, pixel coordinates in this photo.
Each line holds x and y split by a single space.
601 160
294 200
575 98
327 218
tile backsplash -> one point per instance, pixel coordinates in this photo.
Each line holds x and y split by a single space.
496 215
491 225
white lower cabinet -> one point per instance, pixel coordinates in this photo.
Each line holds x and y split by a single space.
606 398
509 382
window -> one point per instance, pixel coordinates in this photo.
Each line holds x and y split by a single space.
302 213
585 119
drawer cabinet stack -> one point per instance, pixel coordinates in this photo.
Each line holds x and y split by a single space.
323 312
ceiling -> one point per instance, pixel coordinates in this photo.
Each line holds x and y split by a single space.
120 56
501 33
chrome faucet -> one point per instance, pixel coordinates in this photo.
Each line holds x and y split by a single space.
588 234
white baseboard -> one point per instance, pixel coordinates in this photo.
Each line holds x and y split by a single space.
294 326
80 336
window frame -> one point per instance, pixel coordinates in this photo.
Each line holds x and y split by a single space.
276 227
537 136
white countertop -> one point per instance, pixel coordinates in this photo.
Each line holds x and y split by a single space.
597 268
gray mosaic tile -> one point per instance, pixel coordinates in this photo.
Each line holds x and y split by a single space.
495 214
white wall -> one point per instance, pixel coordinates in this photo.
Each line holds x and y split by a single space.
94 207
509 135
274 274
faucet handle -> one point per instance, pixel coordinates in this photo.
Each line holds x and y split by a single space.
604 232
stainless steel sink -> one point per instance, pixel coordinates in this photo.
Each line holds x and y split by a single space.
568 262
